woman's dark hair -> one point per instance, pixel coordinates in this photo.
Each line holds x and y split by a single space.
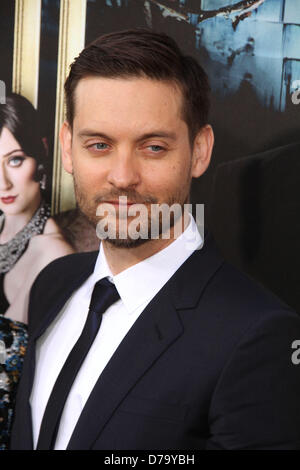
22 120
144 53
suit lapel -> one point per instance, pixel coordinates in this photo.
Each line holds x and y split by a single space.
73 282
81 267
156 328
154 331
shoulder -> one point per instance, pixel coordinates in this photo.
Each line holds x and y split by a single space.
240 316
56 279
51 227
230 303
237 301
243 293
228 288
67 266
51 232
50 244
60 272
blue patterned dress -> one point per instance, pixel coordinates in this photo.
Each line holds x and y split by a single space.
13 334
13 343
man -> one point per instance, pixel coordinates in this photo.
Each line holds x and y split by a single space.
190 353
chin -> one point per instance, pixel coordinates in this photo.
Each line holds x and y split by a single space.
10 210
126 242
14 208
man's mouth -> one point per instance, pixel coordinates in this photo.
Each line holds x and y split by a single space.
120 203
8 199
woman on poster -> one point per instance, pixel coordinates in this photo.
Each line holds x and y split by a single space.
29 239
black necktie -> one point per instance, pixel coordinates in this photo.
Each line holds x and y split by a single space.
104 295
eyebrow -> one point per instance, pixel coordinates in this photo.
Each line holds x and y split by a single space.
149 135
12 151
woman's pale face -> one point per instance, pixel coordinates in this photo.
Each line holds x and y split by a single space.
19 193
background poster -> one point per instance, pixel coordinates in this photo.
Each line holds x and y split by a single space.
250 50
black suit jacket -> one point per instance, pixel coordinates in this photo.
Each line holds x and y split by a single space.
207 365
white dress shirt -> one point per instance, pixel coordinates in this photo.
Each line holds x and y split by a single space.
136 285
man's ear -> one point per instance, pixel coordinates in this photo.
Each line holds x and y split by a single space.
65 137
202 150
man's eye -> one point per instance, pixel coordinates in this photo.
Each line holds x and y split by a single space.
156 148
16 161
100 146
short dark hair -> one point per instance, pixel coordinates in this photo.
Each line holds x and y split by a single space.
20 117
143 53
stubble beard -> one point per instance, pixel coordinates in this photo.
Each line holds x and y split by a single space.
89 207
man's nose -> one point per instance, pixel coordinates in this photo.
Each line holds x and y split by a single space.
124 170
5 182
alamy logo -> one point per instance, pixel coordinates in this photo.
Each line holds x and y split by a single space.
296 354
2 92
130 221
296 93
2 352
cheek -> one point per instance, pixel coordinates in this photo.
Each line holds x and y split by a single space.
88 175
25 180
165 179
31 187
87 180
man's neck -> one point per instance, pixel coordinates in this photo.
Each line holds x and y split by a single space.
121 258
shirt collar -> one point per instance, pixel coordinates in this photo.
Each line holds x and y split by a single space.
141 282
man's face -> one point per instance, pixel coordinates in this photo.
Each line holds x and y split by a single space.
129 139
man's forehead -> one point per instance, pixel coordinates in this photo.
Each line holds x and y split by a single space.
99 81
138 90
